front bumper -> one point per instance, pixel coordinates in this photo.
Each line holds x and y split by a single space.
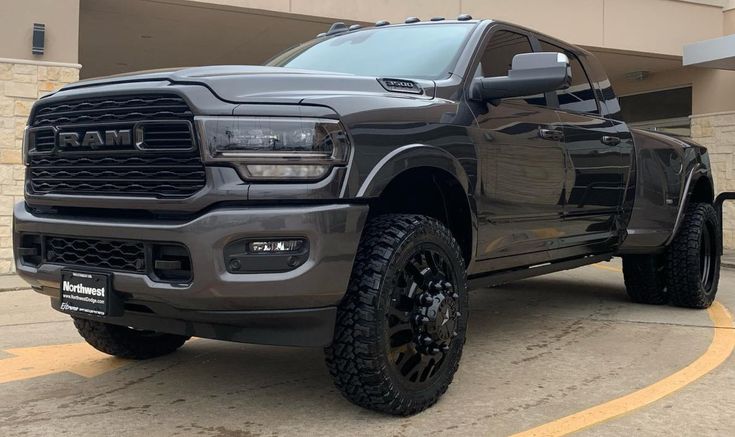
217 304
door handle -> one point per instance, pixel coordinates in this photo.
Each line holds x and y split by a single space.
610 141
551 134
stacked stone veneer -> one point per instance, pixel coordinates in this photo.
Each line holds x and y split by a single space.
21 83
717 133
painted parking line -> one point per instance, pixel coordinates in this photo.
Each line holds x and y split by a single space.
77 358
721 347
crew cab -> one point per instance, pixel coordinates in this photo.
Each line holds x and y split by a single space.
348 193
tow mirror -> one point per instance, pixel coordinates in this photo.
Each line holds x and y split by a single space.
531 73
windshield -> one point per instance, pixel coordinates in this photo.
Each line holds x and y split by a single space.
419 51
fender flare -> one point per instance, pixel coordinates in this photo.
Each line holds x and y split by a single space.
406 158
695 175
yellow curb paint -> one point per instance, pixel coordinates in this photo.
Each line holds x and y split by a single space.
608 268
721 347
78 358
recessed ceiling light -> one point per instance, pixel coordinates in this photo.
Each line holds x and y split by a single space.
637 75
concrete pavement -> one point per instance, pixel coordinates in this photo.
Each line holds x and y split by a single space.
537 350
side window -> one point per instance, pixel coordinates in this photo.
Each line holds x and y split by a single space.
498 59
580 97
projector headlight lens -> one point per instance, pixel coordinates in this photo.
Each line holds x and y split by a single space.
274 148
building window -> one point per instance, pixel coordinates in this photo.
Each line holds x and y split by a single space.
664 111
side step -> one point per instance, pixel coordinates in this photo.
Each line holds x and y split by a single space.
505 276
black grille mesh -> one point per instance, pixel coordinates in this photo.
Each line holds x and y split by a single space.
112 109
127 256
169 167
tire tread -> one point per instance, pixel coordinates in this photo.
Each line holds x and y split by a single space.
354 357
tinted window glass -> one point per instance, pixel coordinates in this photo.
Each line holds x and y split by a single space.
580 97
498 58
658 105
420 51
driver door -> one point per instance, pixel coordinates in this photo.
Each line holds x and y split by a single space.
521 163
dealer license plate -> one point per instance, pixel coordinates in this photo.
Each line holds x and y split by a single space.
87 293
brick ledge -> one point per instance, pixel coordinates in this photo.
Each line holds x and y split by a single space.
41 63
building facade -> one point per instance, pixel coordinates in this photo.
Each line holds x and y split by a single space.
670 61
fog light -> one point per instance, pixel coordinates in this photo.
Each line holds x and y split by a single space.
276 246
265 256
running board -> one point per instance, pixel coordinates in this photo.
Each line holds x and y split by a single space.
506 276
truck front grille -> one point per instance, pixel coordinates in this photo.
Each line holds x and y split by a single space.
148 148
163 262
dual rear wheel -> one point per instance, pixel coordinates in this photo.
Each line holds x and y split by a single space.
687 273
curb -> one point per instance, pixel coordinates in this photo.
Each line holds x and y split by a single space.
4 289
12 283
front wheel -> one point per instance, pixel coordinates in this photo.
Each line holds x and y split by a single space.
401 326
125 342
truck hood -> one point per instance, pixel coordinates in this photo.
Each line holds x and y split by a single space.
258 84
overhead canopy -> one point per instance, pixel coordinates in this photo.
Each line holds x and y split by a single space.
117 36
711 53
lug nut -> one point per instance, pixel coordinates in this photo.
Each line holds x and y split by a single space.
426 340
455 296
438 286
447 285
426 299
445 348
420 319
454 334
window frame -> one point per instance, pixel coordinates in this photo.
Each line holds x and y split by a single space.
572 54
488 34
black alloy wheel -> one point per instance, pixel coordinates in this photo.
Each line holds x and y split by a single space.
423 317
401 326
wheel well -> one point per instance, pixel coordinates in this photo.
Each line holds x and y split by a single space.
434 193
703 192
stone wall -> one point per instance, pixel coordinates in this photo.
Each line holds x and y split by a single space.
21 83
717 132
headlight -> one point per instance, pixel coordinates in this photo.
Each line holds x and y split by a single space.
274 148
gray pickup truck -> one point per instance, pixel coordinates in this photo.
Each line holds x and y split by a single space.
348 194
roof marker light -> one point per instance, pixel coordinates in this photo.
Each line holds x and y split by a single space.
355 27
410 20
337 27
382 23
464 17
437 19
